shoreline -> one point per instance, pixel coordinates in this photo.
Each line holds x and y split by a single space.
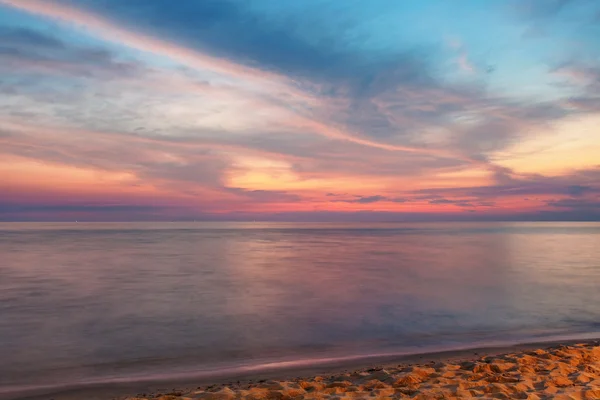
125 387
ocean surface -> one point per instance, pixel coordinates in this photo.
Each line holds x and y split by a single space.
95 302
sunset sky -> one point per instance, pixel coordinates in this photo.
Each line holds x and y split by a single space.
299 110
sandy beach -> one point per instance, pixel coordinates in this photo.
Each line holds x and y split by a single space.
559 372
555 370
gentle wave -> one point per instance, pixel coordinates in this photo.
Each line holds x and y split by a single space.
93 302
239 371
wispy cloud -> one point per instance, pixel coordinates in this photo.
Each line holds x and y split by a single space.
247 109
463 62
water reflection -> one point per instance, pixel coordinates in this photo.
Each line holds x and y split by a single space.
95 299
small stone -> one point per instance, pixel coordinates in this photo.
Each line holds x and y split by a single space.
592 394
342 384
550 389
407 380
223 394
463 393
561 381
272 386
467 365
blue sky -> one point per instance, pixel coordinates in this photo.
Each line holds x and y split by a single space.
237 109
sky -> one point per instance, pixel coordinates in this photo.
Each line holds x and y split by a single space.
312 110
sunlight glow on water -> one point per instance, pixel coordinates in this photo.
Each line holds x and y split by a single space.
81 301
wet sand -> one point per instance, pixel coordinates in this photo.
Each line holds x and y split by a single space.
521 372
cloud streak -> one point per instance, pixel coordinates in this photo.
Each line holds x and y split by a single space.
113 32
296 116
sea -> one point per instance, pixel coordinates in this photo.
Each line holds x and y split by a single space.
103 302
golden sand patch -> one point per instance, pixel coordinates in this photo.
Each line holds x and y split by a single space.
563 372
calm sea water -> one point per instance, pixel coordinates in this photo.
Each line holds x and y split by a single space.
81 302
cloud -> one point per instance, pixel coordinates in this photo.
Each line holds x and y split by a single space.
585 103
586 77
463 61
378 91
269 196
369 199
240 105
277 41
465 65
522 188
460 203
579 190
25 50
431 199
362 78
379 216
19 37
576 204
77 208
545 17
542 8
